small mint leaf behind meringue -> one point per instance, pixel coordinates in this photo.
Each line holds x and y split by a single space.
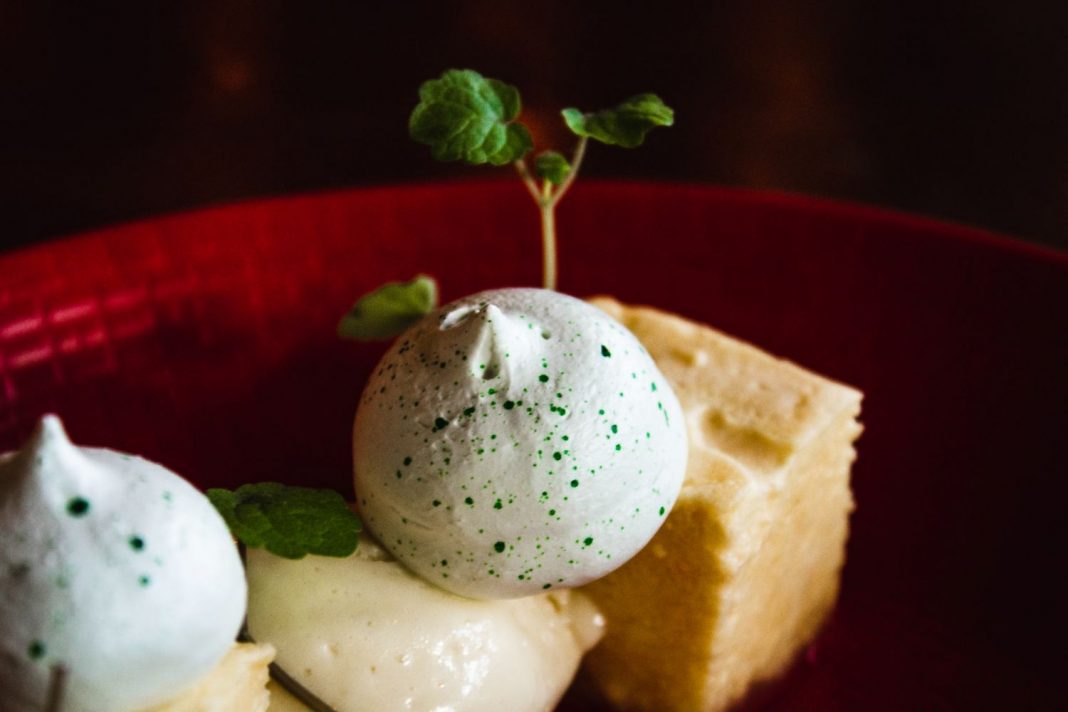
389 310
289 521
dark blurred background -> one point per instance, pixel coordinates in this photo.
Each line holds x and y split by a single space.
957 110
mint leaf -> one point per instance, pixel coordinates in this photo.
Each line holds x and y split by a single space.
389 310
289 521
464 115
552 166
625 125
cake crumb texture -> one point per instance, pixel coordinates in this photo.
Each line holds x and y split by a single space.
237 684
746 568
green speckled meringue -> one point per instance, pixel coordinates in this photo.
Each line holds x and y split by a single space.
516 441
113 568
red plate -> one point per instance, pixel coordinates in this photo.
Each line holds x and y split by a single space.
206 341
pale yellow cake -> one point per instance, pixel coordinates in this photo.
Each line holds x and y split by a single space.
746 567
237 684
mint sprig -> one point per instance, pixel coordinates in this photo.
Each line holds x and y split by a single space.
389 310
288 521
463 115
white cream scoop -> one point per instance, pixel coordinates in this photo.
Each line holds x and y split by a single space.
364 633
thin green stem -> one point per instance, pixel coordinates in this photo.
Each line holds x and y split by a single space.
576 162
548 245
546 200
528 180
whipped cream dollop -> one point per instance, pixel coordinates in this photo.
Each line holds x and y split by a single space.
114 570
364 633
516 441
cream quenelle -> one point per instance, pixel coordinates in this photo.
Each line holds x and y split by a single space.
114 570
516 441
364 633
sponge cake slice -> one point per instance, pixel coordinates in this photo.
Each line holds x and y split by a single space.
746 567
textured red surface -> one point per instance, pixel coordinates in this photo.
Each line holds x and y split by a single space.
206 341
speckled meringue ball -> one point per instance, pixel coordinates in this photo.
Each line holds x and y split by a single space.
515 441
114 569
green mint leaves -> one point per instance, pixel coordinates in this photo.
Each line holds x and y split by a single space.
389 310
551 166
625 125
289 521
463 115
